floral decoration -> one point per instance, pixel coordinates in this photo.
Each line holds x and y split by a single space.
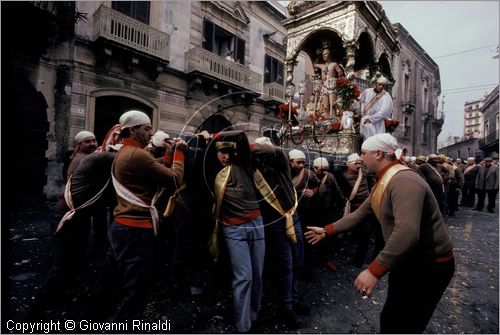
283 111
347 91
390 125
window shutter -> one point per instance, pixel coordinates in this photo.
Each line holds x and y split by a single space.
281 73
142 11
240 50
138 10
124 7
267 69
208 33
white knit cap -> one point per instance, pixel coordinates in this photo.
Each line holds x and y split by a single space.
263 141
353 158
158 139
384 142
320 162
133 118
82 136
296 154
382 80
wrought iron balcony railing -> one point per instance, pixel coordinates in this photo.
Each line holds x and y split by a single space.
204 61
117 27
275 91
490 138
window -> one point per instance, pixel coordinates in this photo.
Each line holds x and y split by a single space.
273 70
406 127
425 131
406 82
221 42
138 10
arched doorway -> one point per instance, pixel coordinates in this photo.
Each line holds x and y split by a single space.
108 110
364 54
25 114
216 123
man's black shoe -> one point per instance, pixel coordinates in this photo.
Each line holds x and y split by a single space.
491 211
256 327
290 320
301 308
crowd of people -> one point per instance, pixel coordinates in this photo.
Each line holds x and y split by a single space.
179 206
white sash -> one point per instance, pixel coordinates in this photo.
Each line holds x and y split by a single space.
124 193
69 201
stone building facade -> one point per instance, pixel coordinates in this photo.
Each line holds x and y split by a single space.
190 65
416 96
489 143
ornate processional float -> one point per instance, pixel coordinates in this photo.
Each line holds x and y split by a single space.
344 47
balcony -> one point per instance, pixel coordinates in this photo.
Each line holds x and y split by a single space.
274 91
489 139
206 62
124 30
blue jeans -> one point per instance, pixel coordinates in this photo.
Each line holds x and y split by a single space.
286 259
246 246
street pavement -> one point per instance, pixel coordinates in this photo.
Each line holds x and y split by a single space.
470 304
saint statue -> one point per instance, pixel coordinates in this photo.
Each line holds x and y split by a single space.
329 72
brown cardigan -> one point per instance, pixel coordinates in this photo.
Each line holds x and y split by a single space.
137 170
411 222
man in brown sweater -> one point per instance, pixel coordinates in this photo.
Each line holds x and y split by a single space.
418 250
137 177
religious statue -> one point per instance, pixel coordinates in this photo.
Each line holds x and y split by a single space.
330 71
347 122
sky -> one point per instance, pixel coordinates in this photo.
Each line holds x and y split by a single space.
452 29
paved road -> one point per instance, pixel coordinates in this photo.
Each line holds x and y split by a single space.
470 304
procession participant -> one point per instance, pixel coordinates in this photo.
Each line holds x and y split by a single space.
456 183
86 144
306 185
469 188
356 184
431 172
238 216
418 252
284 240
375 105
136 177
88 190
326 205
487 183
329 200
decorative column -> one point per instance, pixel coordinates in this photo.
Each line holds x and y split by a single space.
350 47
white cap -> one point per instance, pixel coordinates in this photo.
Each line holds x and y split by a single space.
382 80
133 118
296 154
353 158
82 136
384 142
158 139
263 141
320 162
